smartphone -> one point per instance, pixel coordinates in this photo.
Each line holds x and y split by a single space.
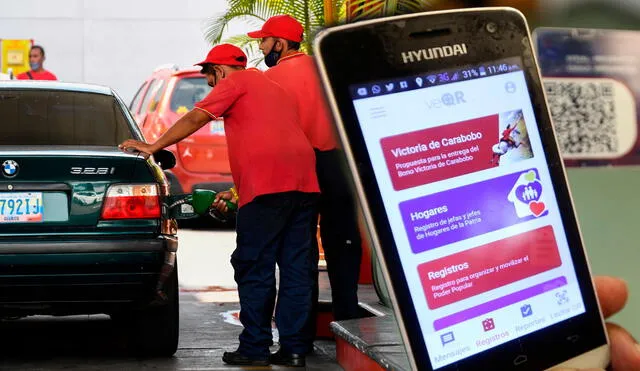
445 128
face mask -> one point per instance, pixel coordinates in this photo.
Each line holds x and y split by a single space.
273 57
34 66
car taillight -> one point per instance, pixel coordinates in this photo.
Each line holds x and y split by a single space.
131 201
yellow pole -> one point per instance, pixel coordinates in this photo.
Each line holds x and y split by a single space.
329 13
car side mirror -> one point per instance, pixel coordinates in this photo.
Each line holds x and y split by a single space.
165 159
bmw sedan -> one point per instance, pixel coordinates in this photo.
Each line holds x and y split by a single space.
83 229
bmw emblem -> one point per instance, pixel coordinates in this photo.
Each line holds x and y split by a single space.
10 168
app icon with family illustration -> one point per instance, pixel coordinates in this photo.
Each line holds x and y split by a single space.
526 196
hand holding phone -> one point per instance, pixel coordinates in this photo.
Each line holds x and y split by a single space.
455 162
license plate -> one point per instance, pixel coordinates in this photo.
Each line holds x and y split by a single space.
216 127
23 207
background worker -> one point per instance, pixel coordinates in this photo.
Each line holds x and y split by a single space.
272 166
36 63
296 72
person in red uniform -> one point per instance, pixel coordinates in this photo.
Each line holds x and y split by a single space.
506 136
339 229
36 62
272 165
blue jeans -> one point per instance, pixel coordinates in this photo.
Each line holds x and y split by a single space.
274 229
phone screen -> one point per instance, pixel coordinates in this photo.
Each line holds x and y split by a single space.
460 163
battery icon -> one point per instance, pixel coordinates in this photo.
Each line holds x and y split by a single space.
482 71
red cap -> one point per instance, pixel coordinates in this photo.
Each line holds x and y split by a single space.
226 55
283 26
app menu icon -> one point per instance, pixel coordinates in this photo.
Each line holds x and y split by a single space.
488 324
447 338
526 310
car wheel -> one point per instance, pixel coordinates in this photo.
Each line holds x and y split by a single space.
154 331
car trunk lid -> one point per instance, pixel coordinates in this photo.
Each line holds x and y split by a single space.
61 189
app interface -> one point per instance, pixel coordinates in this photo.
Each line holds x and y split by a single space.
467 190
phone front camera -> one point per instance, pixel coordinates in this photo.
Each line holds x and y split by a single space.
492 27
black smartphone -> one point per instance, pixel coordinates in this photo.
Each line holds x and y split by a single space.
443 119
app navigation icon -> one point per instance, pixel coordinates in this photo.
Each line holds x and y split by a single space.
447 337
362 92
376 89
390 86
562 297
488 324
419 81
403 85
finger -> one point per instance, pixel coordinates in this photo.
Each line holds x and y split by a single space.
612 294
127 143
625 352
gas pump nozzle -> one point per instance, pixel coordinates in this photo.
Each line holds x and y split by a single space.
196 204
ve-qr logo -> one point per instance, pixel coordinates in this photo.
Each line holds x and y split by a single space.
10 168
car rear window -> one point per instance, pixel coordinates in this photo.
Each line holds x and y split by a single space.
188 92
49 117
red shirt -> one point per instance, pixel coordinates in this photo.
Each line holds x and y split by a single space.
268 152
42 75
506 134
298 75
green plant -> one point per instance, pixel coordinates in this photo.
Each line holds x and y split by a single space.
312 14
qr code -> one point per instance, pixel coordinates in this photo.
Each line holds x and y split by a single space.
584 116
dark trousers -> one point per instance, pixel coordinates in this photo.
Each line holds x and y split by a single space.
340 235
274 229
